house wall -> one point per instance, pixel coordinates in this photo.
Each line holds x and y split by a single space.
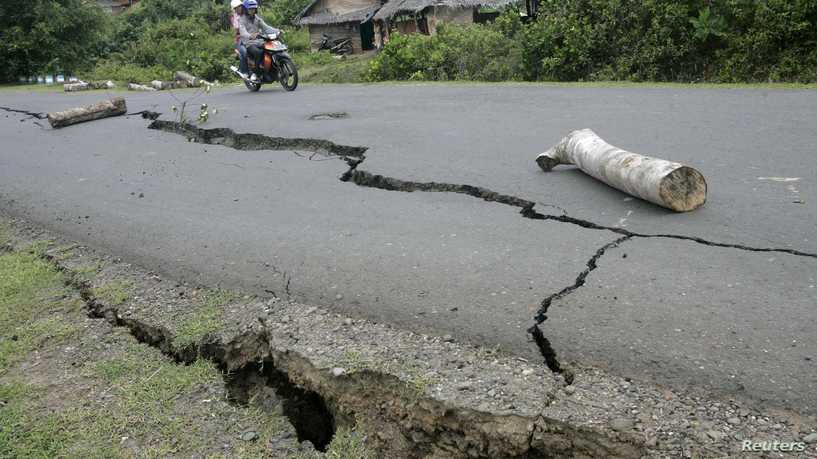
449 15
349 30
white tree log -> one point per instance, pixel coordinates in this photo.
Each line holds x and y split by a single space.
666 183
162 85
190 80
139 87
78 86
83 86
104 109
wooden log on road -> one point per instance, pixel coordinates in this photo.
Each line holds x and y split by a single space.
83 86
187 78
139 87
190 80
162 85
104 109
666 183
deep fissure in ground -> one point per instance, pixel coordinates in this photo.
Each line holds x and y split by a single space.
306 410
252 365
355 156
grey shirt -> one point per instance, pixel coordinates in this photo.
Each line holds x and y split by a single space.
247 27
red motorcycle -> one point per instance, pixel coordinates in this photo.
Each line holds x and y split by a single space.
276 65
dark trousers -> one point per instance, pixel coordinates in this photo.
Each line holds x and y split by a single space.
257 55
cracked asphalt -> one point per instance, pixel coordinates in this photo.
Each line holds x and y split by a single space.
680 312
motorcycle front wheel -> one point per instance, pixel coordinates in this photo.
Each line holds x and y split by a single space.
288 74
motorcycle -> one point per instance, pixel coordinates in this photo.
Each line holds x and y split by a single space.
339 46
276 65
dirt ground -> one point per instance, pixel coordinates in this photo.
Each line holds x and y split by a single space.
101 358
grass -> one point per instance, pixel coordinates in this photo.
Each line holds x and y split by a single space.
348 444
113 293
323 68
205 320
353 361
122 390
17 87
29 289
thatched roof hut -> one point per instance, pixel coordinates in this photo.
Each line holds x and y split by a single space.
336 12
340 19
397 7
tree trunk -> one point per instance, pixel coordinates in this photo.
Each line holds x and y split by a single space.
162 85
187 78
83 86
104 109
190 80
668 184
139 87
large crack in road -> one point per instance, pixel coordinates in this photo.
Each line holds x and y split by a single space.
354 156
318 402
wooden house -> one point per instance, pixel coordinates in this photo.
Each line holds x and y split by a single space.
423 16
338 19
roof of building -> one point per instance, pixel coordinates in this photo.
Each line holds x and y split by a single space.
395 7
342 11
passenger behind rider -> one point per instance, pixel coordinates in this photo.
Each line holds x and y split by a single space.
238 11
250 25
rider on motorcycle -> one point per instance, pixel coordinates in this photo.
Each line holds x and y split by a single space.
238 11
250 26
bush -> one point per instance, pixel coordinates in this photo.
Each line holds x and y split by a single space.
771 40
472 52
280 13
49 36
604 39
123 71
157 37
297 39
649 40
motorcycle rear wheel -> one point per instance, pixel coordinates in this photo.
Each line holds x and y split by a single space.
289 74
254 87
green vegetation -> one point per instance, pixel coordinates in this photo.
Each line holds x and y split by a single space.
113 293
123 399
206 319
474 52
348 444
571 40
49 35
609 40
29 288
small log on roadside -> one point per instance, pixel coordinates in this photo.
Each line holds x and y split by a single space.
104 109
666 183
139 87
83 86
78 86
190 80
162 85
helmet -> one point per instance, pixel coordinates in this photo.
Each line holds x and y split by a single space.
250 4
235 4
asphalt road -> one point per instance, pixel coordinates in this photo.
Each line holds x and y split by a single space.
676 311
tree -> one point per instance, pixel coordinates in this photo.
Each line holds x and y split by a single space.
49 35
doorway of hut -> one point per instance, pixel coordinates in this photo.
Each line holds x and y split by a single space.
367 35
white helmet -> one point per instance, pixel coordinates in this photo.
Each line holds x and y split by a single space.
235 3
